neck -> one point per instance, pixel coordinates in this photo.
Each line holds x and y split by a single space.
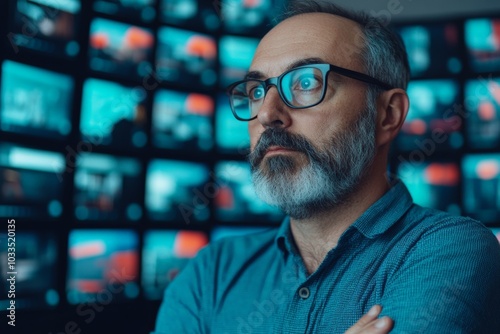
317 235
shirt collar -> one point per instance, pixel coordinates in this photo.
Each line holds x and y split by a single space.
376 220
284 238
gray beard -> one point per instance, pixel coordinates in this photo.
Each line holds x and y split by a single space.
328 177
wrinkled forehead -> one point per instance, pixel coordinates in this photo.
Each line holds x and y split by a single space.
335 39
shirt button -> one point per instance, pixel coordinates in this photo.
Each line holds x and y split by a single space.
304 293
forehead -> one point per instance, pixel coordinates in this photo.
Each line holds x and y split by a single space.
335 39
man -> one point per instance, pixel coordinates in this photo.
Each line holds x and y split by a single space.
324 98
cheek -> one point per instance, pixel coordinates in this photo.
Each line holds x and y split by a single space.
254 131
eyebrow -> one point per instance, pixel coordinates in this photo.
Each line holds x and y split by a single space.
301 62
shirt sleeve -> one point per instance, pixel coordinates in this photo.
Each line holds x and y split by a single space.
181 310
448 283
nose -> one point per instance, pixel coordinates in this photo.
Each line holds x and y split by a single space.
273 112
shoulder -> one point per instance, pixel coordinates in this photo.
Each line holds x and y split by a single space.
430 223
449 238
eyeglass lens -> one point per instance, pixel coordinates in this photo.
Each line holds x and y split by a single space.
299 88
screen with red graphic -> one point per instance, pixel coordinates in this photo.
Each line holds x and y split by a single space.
120 49
165 254
482 39
433 184
186 58
482 100
235 200
435 118
183 120
102 265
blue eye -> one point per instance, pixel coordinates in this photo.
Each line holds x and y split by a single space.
306 83
256 93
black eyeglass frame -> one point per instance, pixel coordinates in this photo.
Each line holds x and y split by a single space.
325 70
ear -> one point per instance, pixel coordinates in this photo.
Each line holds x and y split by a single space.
392 108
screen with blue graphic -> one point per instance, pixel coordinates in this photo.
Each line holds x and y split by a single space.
36 267
231 135
106 188
178 191
113 114
433 184
244 16
191 14
236 54
135 9
35 101
432 48
31 182
47 26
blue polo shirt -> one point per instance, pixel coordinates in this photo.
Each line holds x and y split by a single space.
431 272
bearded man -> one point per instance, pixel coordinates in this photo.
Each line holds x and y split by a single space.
324 98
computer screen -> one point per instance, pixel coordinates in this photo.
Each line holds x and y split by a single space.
121 49
103 265
482 103
165 254
186 58
481 186
106 188
35 101
191 14
231 135
178 191
182 120
236 200
434 121
244 16
46 26
35 268
236 54
31 182
135 9
113 114
482 40
432 48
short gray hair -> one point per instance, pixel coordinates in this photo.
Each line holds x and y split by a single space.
383 53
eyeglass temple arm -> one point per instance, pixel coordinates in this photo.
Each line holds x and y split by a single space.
360 76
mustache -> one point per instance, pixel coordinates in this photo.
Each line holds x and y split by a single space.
278 137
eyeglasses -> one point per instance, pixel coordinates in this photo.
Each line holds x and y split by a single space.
299 88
